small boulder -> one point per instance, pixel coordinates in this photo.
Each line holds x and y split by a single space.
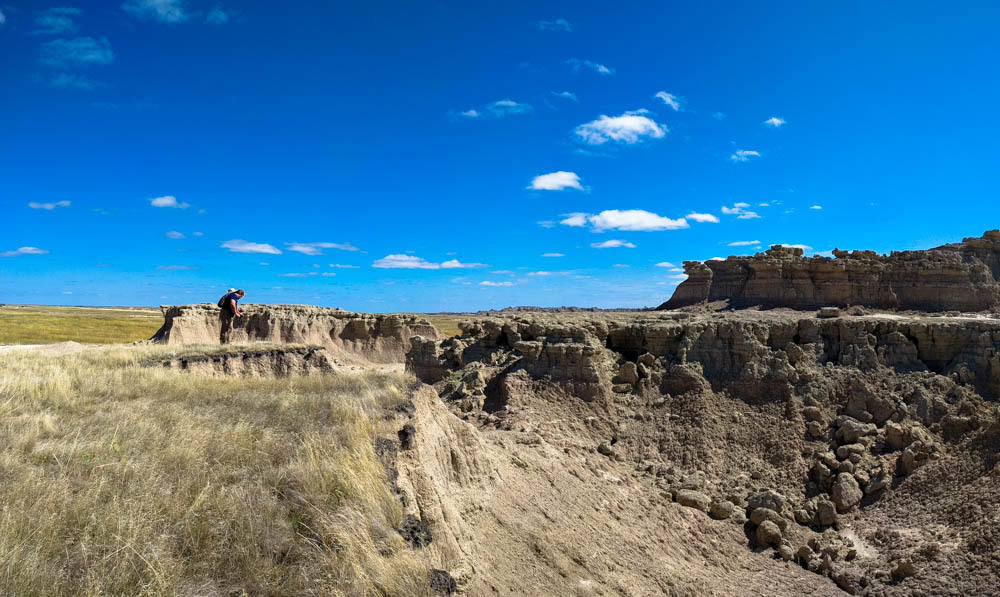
721 509
904 569
693 499
768 534
826 513
647 359
785 551
828 312
605 449
761 515
628 373
846 493
766 499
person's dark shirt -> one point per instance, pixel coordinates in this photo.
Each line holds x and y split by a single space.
229 305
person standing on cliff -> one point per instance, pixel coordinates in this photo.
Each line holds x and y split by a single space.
230 310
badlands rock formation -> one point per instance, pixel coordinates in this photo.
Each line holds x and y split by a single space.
273 362
955 277
862 450
375 338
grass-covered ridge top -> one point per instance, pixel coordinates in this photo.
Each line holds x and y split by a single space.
124 479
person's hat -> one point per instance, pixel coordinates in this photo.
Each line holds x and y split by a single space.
232 290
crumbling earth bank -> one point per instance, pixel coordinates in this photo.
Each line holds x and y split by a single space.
857 451
358 336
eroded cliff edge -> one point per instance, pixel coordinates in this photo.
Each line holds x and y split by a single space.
961 276
864 448
372 337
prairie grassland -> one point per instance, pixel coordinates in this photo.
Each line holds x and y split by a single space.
45 325
120 479
446 324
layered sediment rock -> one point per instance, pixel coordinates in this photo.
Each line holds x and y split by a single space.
277 362
376 338
954 277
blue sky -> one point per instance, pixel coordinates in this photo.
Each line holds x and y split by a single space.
381 156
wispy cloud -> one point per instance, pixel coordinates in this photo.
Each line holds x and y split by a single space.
168 201
556 181
298 275
718 115
164 11
613 244
743 243
174 234
3 18
343 266
23 251
669 99
740 211
556 25
632 220
815 207
242 246
317 248
703 218
489 283
663 264
79 51
552 255
497 109
399 261
628 128
172 268
774 122
566 95
540 273
597 67
48 206
547 224
217 16
57 21
803 247
76 81
621 265
744 155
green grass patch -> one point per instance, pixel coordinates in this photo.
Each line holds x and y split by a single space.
46 325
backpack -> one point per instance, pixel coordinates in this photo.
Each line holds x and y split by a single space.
224 301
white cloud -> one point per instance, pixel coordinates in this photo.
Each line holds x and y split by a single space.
597 67
56 21
743 243
556 25
663 264
632 220
165 11
697 217
399 261
168 201
803 247
675 269
48 206
23 251
264 263
621 265
566 95
628 128
297 275
815 207
488 283
552 255
774 121
175 234
471 113
612 244
197 234
79 51
171 268
556 181
328 274
764 205
744 155
317 248
547 224
711 259
242 246
217 16
669 99
739 210
507 106
502 272
540 273
3 18
342 266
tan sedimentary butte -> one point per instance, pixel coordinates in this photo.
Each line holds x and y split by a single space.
954 277
863 449
375 338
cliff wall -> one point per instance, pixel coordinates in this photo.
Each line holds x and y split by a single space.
955 277
375 338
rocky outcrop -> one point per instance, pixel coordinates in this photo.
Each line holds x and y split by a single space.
956 277
375 338
278 362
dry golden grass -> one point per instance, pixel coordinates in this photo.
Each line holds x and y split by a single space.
119 479
447 324
45 325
